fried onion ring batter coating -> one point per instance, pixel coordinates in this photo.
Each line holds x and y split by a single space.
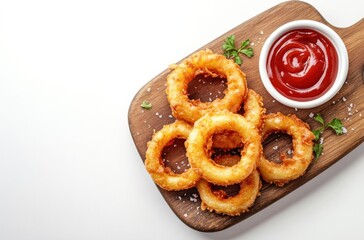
253 112
302 141
164 177
219 202
227 159
204 62
198 146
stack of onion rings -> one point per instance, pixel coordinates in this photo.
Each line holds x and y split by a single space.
217 125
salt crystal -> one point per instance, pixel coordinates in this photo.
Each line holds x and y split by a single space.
344 130
311 115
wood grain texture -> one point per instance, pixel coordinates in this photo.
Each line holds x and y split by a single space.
346 105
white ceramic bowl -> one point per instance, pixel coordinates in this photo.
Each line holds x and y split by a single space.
331 35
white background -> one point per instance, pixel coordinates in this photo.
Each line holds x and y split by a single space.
68 166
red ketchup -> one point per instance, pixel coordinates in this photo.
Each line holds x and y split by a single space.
302 64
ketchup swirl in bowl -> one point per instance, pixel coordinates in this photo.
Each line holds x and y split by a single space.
302 64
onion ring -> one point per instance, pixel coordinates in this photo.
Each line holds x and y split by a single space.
219 202
253 112
226 159
164 177
205 62
302 141
198 147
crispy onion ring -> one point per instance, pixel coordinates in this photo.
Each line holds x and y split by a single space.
302 140
204 62
227 159
198 146
219 202
165 177
253 112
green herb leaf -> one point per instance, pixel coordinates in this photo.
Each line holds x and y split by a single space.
336 125
238 60
227 47
248 52
230 51
317 134
319 118
146 105
231 54
244 44
318 149
229 43
231 40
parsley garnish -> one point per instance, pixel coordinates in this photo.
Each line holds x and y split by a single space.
230 51
335 124
146 105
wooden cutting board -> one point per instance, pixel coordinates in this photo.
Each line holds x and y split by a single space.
347 105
